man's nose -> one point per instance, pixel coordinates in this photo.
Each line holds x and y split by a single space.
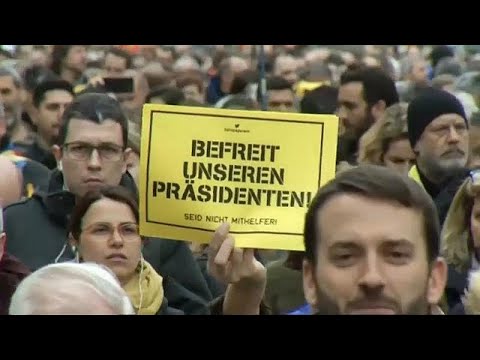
94 160
372 279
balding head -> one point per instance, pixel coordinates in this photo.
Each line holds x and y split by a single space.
185 63
316 55
229 68
285 66
11 182
70 289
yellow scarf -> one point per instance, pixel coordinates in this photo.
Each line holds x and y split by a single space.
152 289
413 174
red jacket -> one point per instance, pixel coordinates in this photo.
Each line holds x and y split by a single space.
12 271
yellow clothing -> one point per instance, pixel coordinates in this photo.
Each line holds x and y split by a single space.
145 287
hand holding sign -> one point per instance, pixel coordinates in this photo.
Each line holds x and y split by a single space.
229 264
246 276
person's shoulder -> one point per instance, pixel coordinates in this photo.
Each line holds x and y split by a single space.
24 205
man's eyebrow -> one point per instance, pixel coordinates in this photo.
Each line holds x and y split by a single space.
343 244
397 242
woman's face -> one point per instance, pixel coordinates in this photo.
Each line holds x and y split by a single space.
110 237
475 222
399 156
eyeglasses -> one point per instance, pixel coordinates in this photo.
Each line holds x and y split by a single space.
81 151
105 231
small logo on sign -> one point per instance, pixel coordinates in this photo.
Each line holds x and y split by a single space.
236 129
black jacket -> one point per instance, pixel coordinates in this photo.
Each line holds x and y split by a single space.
448 190
38 154
36 230
457 283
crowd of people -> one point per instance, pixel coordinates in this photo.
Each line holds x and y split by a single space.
395 232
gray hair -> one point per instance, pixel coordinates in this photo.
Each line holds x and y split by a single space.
71 288
185 63
1 220
10 71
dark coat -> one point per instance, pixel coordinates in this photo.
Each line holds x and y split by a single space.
456 284
36 230
12 272
40 155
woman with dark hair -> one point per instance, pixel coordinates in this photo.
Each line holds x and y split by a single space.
104 230
69 62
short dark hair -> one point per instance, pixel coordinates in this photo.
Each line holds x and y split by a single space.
49 85
121 53
377 85
375 182
170 95
322 100
36 74
191 77
275 83
96 108
59 53
116 193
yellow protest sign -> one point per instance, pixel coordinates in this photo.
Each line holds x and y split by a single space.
256 170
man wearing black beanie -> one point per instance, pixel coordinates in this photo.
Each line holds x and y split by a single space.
438 133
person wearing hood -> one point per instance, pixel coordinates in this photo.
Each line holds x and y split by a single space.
104 230
91 152
386 142
460 239
438 134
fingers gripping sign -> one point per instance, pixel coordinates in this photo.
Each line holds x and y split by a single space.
231 265
246 276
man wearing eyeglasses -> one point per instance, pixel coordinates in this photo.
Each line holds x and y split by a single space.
91 152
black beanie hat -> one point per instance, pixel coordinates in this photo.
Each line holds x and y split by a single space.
425 108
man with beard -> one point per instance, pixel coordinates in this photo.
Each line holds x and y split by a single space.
363 96
438 133
355 263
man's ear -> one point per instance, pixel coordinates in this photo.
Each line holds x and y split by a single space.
378 109
3 239
126 156
309 284
437 281
57 152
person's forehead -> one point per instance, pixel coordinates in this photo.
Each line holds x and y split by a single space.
114 59
446 119
367 221
76 49
108 210
286 63
351 91
57 95
191 87
283 94
400 146
92 132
